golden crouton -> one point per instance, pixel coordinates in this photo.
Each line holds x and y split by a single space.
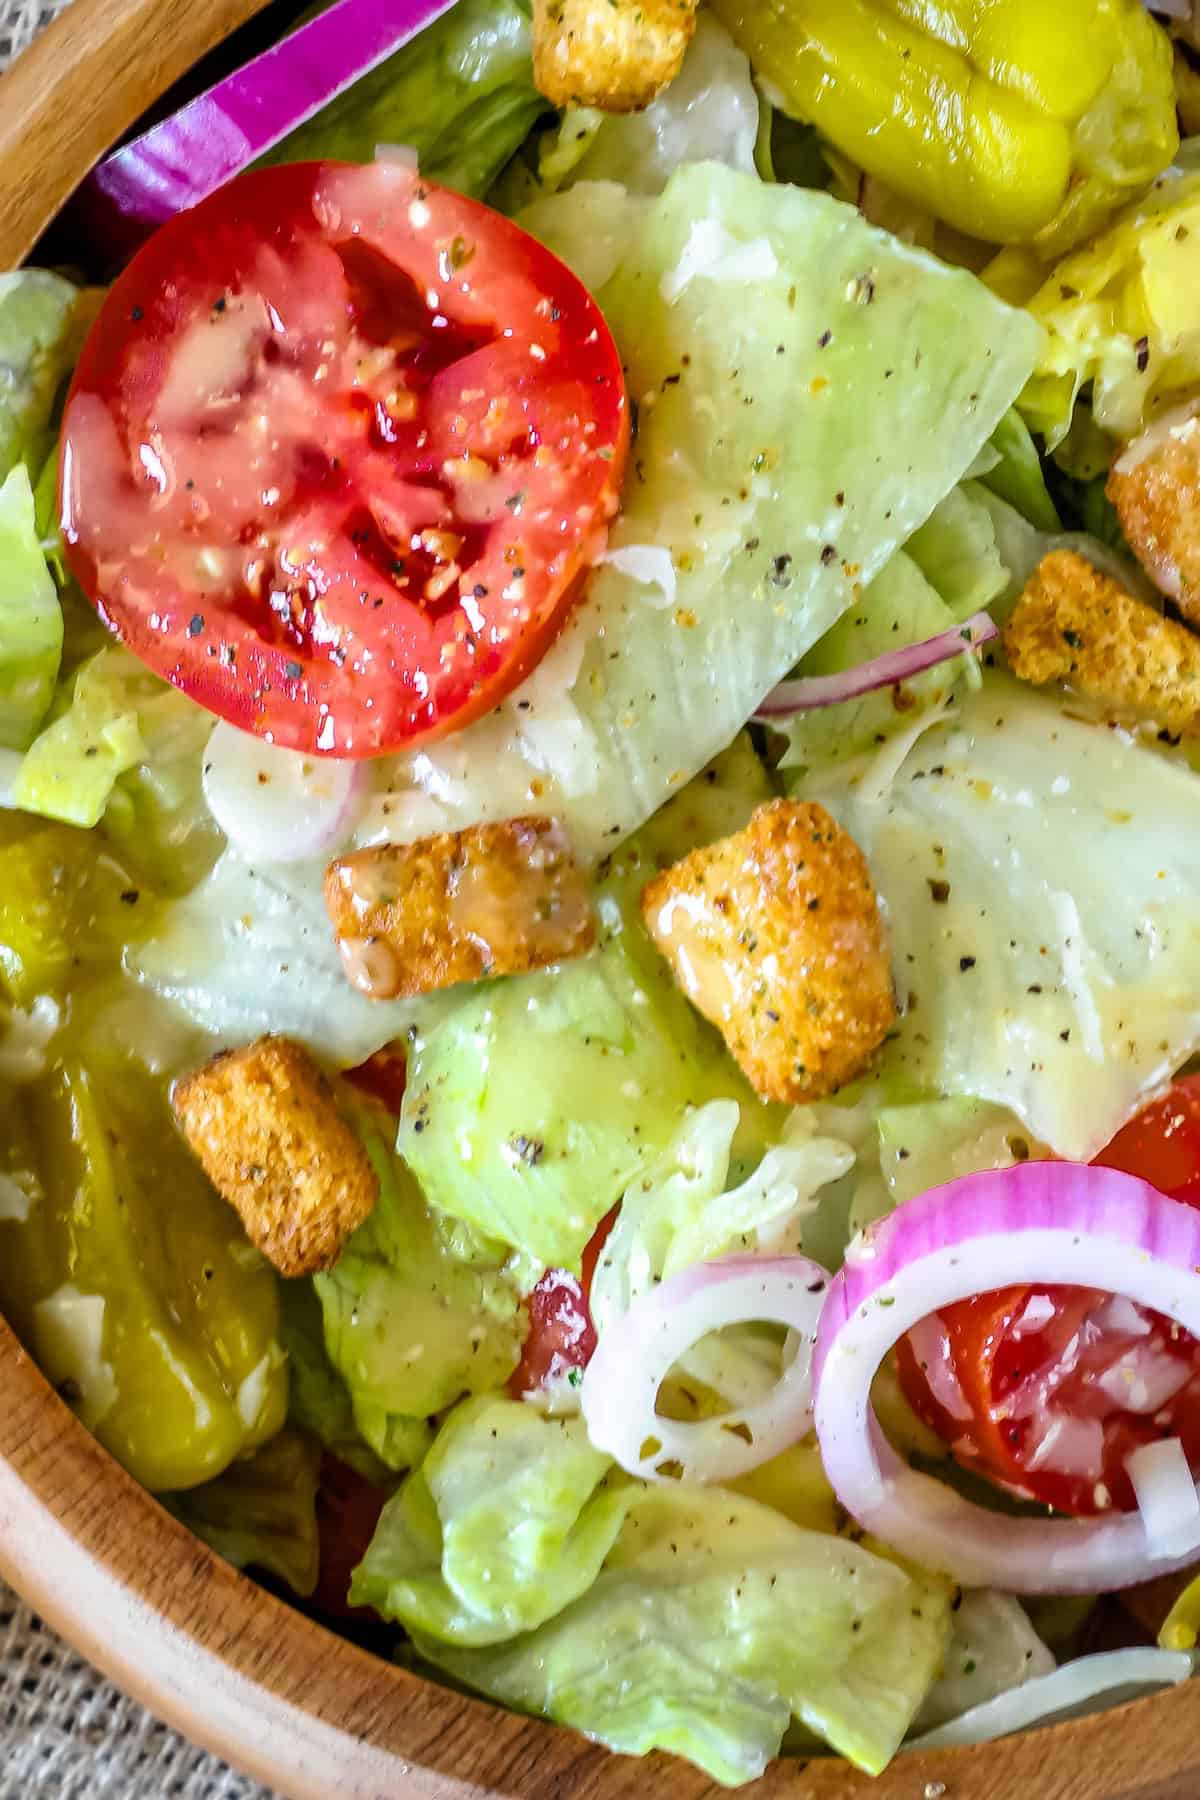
495 900
612 54
265 1124
1155 487
775 935
1074 625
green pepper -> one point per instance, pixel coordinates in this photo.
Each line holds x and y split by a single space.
66 904
1010 120
129 1278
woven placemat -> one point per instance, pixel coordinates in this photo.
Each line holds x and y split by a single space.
64 1730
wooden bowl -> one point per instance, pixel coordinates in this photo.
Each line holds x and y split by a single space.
218 1657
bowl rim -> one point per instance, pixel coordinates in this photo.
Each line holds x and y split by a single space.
310 1713
221 1659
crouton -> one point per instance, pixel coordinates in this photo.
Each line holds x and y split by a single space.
266 1126
774 934
1074 625
612 54
495 900
1155 488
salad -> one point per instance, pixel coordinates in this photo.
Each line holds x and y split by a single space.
600 857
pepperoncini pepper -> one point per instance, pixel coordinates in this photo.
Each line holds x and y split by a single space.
129 1279
1010 120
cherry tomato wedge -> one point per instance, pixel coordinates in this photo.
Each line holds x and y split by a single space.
337 451
561 1337
1047 1390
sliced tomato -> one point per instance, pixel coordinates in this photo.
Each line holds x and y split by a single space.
561 1337
337 450
1047 1390
383 1076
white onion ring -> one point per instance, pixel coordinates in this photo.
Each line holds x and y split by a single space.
882 671
622 1380
1053 1222
277 805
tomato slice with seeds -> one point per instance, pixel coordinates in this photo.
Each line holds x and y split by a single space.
1047 1390
560 1339
336 453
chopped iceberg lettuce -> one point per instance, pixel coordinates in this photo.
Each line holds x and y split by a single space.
679 1211
899 607
31 625
713 1623
416 1313
1017 475
318 1399
36 351
929 1142
507 1521
262 1512
592 236
127 747
993 1648
71 768
1039 876
808 390
708 113
533 1102
461 94
250 950
956 551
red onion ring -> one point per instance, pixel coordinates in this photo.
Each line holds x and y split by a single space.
634 1355
1045 1222
882 671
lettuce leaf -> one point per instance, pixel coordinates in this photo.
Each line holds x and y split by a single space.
993 1649
126 747
460 94
31 626
679 1211
507 1521
713 1623
765 330
900 607
416 1314
957 553
318 1399
929 1142
532 1103
36 352
708 113
249 950
1040 878
262 1513
1017 476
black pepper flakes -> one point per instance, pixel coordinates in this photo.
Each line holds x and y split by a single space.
965 963
939 891
195 625
1142 354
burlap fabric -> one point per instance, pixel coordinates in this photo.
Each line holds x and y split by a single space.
63 1730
